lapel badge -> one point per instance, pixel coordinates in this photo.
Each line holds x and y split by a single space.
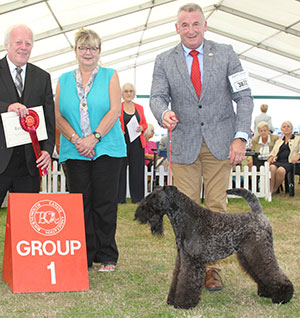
210 54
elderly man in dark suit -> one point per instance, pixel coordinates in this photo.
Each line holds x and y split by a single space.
201 79
23 85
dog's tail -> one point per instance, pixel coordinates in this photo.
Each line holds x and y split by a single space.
249 197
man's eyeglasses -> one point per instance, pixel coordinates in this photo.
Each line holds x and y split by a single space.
93 49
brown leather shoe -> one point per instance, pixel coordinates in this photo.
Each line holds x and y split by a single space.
213 281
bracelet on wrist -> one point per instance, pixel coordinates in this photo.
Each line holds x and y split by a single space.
74 134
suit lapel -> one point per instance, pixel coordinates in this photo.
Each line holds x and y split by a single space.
183 70
208 59
7 79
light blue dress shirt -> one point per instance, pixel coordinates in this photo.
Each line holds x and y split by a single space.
189 61
189 58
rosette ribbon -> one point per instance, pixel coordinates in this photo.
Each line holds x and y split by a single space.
30 123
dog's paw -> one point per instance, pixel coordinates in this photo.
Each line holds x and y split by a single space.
170 301
185 305
284 294
262 292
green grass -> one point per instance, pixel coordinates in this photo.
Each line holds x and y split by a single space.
140 285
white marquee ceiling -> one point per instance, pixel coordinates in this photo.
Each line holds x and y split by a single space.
264 33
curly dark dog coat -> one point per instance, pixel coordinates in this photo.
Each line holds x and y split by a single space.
203 236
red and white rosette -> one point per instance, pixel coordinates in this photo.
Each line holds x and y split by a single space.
30 123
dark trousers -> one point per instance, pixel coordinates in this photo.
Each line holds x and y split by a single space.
16 177
98 181
24 184
136 162
258 162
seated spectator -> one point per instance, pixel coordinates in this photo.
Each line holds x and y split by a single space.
150 145
163 148
263 117
286 152
262 144
163 143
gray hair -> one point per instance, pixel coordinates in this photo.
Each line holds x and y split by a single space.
149 130
11 28
190 7
262 124
287 122
128 85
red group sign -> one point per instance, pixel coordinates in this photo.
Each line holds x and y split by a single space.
45 248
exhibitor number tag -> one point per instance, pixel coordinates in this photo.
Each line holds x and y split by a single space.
239 81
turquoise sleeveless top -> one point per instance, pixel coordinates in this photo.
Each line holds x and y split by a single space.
113 143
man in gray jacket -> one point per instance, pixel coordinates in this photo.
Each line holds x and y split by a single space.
209 136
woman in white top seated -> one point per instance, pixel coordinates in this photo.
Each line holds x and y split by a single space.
262 144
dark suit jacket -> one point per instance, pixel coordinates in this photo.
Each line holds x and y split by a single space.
37 92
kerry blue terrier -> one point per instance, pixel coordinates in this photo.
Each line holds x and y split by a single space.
203 236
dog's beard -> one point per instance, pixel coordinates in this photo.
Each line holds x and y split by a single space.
156 224
142 217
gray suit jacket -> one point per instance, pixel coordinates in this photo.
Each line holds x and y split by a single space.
37 92
212 117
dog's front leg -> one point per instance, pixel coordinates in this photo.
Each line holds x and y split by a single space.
171 296
189 282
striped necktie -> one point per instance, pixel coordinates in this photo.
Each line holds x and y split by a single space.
19 81
195 73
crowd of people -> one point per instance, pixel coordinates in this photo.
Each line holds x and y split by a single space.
280 152
101 135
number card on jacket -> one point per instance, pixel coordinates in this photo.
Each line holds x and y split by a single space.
239 81
45 249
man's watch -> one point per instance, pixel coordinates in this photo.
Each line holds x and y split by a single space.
242 139
97 135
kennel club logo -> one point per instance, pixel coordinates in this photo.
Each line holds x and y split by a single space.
47 217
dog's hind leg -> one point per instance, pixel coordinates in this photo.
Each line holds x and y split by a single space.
171 296
190 279
259 261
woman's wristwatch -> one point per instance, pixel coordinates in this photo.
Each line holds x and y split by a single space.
97 135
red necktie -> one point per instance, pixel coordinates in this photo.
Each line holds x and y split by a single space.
195 73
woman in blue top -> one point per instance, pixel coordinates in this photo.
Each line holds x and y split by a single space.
92 145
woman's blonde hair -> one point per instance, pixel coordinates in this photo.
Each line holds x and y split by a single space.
88 37
149 130
264 108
